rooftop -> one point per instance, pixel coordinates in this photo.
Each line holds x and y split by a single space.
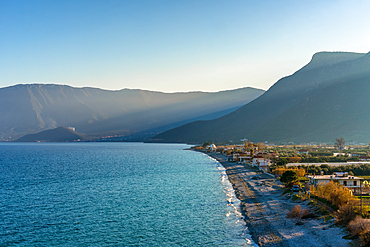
329 177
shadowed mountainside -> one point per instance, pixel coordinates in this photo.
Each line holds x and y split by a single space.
60 134
26 109
327 98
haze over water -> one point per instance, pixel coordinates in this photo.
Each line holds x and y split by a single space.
115 194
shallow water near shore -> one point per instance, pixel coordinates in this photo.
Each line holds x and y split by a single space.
115 194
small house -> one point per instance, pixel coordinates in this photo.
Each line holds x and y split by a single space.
351 182
364 158
262 163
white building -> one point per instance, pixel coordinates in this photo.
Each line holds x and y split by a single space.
351 182
241 157
341 154
257 159
262 163
212 147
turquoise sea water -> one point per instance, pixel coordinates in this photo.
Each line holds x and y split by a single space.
115 194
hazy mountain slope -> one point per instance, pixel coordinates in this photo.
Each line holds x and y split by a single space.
59 134
257 118
34 108
335 111
174 108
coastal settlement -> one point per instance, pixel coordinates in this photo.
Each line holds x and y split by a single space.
326 201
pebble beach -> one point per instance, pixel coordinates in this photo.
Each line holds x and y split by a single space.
264 208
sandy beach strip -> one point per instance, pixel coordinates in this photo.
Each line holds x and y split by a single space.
264 209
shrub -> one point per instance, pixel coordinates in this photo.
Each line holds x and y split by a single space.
323 210
296 197
347 212
332 192
296 214
295 159
304 196
286 191
314 203
360 227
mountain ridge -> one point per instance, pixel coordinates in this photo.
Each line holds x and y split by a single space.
251 120
31 108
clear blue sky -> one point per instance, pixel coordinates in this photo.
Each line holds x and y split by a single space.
172 45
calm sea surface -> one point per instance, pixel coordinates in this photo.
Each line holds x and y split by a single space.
115 194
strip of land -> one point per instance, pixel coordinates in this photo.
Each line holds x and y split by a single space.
264 209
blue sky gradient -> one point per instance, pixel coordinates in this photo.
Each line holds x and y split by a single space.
172 45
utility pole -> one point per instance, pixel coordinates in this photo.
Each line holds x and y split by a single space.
361 194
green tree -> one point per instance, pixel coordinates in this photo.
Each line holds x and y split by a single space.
206 144
289 177
281 161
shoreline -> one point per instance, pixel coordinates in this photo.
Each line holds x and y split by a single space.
264 209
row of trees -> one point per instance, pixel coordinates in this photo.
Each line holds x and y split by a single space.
279 171
360 170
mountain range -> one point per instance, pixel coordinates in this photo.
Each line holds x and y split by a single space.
94 112
327 98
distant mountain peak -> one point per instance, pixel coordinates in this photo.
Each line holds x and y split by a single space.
336 54
59 134
325 58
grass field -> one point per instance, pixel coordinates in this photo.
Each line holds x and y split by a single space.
365 177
